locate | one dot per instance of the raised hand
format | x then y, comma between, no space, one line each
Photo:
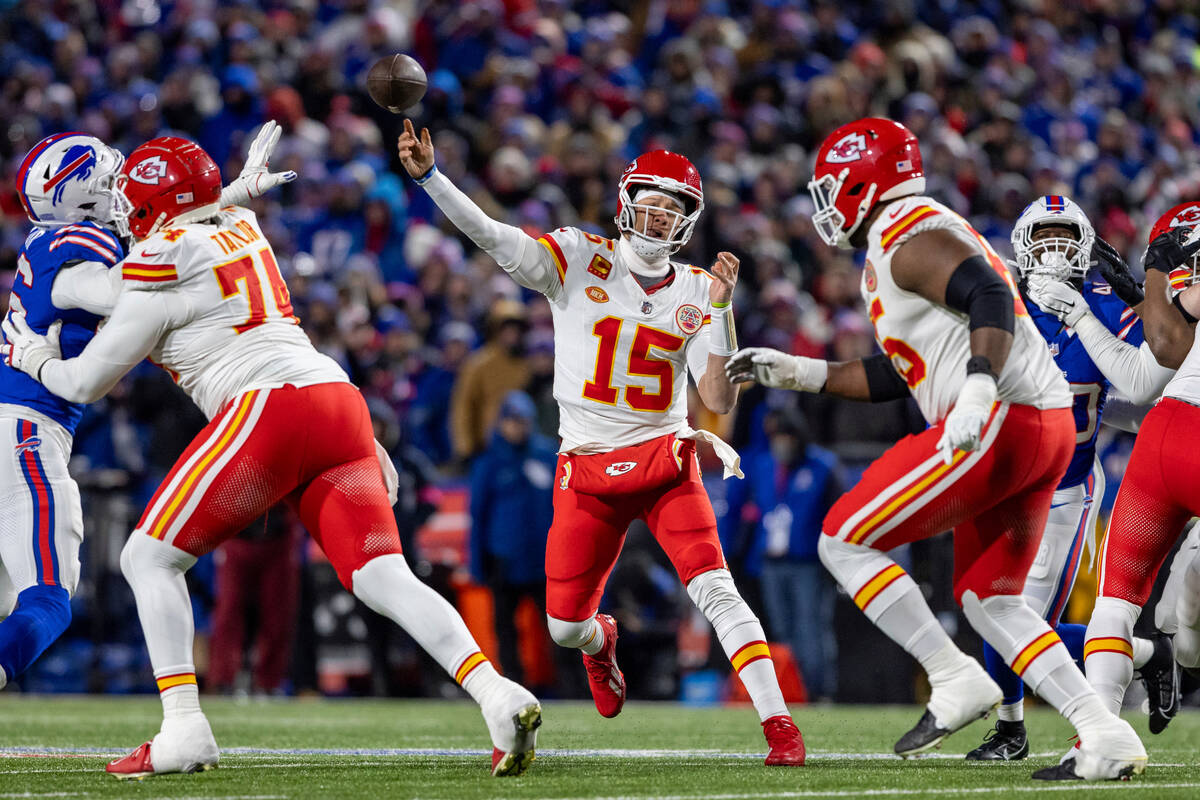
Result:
725,270
1117,273
1168,250
416,154
255,179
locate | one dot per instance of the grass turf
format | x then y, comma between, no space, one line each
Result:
56,747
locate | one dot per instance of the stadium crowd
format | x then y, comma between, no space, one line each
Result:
535,108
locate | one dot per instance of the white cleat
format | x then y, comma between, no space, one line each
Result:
513,716
1111,752
184,744
956,701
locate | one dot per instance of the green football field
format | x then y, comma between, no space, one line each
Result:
437,750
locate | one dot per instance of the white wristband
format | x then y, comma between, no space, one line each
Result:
723,335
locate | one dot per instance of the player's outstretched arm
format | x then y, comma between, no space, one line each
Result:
255,179
1167,331
136,324
515,251
872,379
1134,371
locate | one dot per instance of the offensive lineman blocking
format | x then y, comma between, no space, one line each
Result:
1001,438
203,295
628,326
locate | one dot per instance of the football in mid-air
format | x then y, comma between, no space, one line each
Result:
396,82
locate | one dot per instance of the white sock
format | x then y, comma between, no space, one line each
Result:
1012,712
742,638
585,635
155,572
1143,649
388,587
888,596
1108,649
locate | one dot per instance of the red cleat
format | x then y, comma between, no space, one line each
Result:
604,676
785,742
135,765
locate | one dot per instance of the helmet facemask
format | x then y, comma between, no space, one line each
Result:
1057,257
828,221
674,223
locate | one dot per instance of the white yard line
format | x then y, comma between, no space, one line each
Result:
1061,787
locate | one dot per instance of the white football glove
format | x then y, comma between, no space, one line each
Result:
777,370
255,180
26,349
391,478
963,426
1058,298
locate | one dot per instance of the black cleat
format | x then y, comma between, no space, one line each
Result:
925,735
1160,676
1064,771
1005,742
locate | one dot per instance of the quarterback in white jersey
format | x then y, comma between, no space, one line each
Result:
629,324
956,336
202,295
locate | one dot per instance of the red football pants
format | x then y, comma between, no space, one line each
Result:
588,531
311,446
995,498
1157,497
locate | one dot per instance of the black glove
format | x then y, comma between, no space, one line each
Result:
1168,252
1116,272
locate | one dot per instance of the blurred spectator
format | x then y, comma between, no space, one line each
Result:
487,377
511,487
788,489
257,588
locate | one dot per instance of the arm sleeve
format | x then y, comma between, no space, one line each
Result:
517,253
883,382
137,323
1132,370
89,285
979,292
1123,414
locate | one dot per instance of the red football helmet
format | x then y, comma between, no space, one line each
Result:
172,177
668,173
1184,215
858,166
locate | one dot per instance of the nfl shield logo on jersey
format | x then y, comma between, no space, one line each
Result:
647,307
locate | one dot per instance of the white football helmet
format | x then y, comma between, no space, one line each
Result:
70,177
1058,257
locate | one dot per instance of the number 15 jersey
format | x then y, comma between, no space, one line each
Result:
621,352
232,328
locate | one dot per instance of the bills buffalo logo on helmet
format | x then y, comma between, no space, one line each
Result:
846,149
620,467
150,171
689,318
76,165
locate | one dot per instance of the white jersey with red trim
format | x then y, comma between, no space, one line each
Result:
622,353
1185,384
234,330
929,344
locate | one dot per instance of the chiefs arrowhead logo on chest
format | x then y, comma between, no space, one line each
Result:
846,149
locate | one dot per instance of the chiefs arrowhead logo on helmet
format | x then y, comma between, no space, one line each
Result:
849,148
1184,215
1188,215
150,171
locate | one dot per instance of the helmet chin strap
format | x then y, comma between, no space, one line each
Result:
644,256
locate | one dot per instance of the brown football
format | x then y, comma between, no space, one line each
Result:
396,82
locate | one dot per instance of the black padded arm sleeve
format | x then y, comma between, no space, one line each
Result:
883,382
979,292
